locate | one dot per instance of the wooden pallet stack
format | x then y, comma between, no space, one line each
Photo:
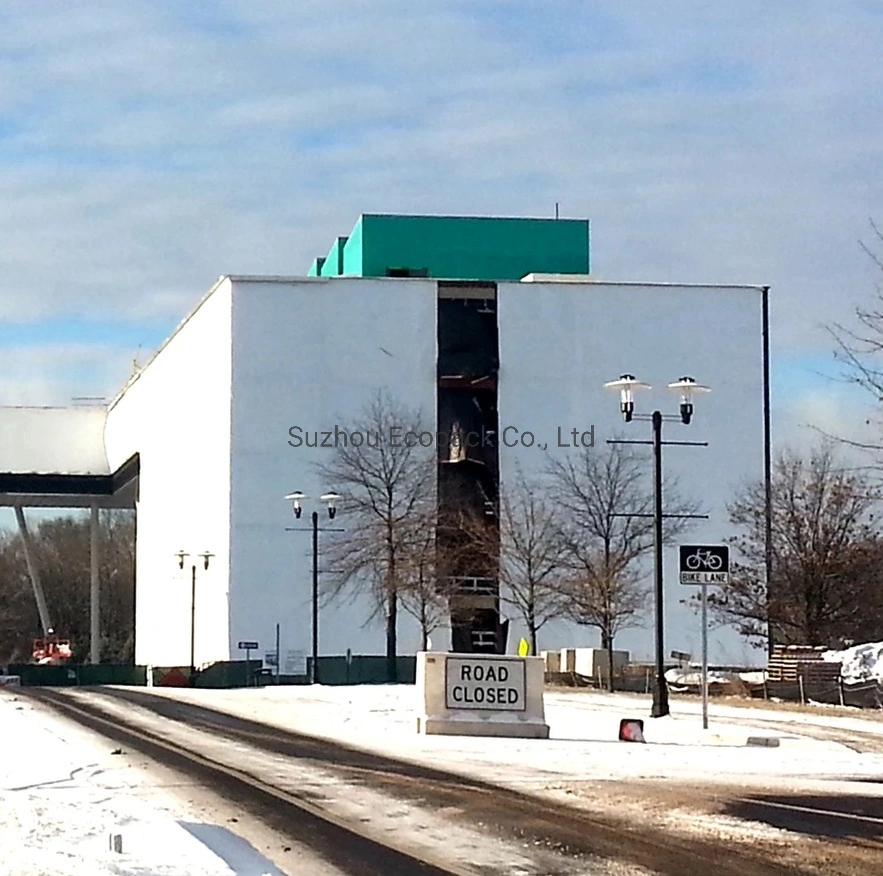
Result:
792,662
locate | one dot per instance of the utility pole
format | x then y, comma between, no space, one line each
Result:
660,699
314,668
192,623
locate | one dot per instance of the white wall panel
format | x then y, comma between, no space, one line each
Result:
560,342
312,353
176,415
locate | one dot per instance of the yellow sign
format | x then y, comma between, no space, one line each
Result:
523,648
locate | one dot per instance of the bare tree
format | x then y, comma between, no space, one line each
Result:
531,553
386,483
117,540
859,349
62,555
424,591
826,552
607,510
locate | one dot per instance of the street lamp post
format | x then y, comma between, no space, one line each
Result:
660,700
686,386
330,500
205,556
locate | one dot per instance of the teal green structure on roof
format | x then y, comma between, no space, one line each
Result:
457,248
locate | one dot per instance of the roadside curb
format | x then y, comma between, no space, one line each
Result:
766,740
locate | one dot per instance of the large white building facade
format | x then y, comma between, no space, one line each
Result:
210,420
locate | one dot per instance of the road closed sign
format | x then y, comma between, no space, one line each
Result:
495,684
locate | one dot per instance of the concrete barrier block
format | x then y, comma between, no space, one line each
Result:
553,660
480,695
764,741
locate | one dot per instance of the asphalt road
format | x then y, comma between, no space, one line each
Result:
342,846
833,816
534,822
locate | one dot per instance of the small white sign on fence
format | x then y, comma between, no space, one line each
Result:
295,663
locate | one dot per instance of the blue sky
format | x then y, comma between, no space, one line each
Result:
146,149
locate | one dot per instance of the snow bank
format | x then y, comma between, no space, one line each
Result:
859,663
692,677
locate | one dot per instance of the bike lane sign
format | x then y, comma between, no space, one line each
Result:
704,563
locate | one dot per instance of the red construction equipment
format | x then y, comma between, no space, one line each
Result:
51,650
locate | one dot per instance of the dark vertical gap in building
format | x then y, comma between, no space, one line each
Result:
468,465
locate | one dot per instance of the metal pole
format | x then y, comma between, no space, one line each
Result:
704,656
314,673
94,589
767,466
660,694
278,658
192,622
33,571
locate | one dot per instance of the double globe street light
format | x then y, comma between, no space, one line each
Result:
205,556
330,500
627,384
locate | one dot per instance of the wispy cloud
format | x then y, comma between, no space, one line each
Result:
147,148
55,374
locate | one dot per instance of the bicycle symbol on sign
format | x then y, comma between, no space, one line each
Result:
704,559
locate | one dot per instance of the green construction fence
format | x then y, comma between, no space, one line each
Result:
364,669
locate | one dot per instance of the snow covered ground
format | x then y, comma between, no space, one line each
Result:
583,744
663,784
161,838
63,794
